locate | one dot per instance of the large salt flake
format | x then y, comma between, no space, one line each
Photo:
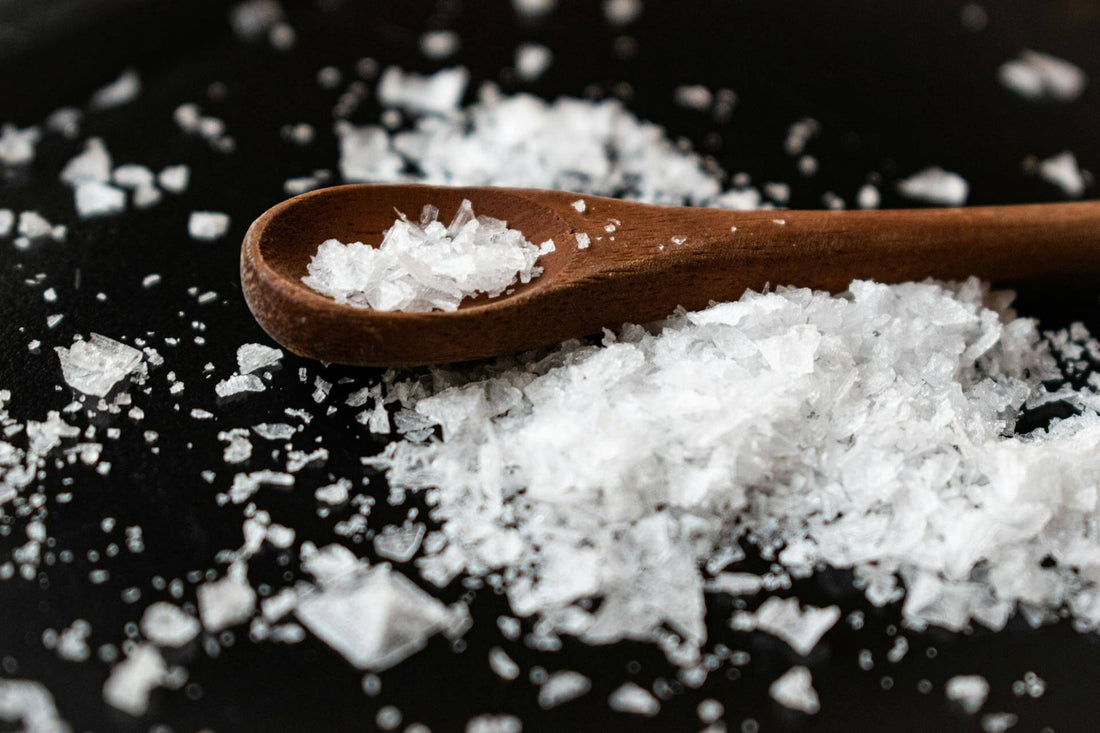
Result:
95,366
374,620
133,680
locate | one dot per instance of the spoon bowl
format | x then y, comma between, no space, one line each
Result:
643,262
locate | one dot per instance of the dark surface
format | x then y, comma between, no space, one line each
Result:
896,86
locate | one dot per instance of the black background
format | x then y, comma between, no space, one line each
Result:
897,86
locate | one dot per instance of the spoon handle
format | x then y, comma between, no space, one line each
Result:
664,257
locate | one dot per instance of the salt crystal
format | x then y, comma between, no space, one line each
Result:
93,165
174,178
150,280
399,543
426,266
239,383
253,357
439,93
502,665
622,12
868,197
998,722
532,61
533,9
167,625
935,186
32,225
17,146
800,628
580,206
132,681
1062,170
374,620
207,225
695,97
794,690
30,704
274,431
583,240
98,199
561,687
226,602
95,366
333,494
120,91
438,45
7,222
1035,76
630,698
970,691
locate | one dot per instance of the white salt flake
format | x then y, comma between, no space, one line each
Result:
122,90
238,383
1040,76
167,625
439,93
1062,171
95,366
375,619
801,628
226,602
794,690
970,691
17,146
532,61
630,698
98,199
561,687
30,704
253,357
132,681
438,45
174,178
207,225
935,186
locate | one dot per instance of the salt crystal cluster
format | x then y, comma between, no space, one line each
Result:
870,431
427,266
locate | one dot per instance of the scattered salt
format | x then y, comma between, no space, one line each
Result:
122,90
1036,76
439,93
226,602
167,625
532,61
561,687
95,366
630,698
253,357
970,691
1062,170
133,680
935,186
207,225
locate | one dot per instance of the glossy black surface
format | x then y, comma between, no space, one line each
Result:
897,86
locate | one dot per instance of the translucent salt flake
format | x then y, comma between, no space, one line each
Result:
426,266
253,357
399,543
800,628
561,687
935,186
583,240
207,225
735,584
794,690
274,431
374,620
239,383
98,199
95,366
226,602
502,665
630,698
438,93
1062,171
167,625
120,91
969,691
1036,76
33,225
133,680
532,61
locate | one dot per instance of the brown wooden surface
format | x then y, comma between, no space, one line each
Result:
641,274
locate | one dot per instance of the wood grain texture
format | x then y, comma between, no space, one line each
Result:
636,273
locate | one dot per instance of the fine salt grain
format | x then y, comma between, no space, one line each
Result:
794,690
561,687
532,61
427,266
253,357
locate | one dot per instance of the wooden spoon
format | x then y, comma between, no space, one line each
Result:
643,262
